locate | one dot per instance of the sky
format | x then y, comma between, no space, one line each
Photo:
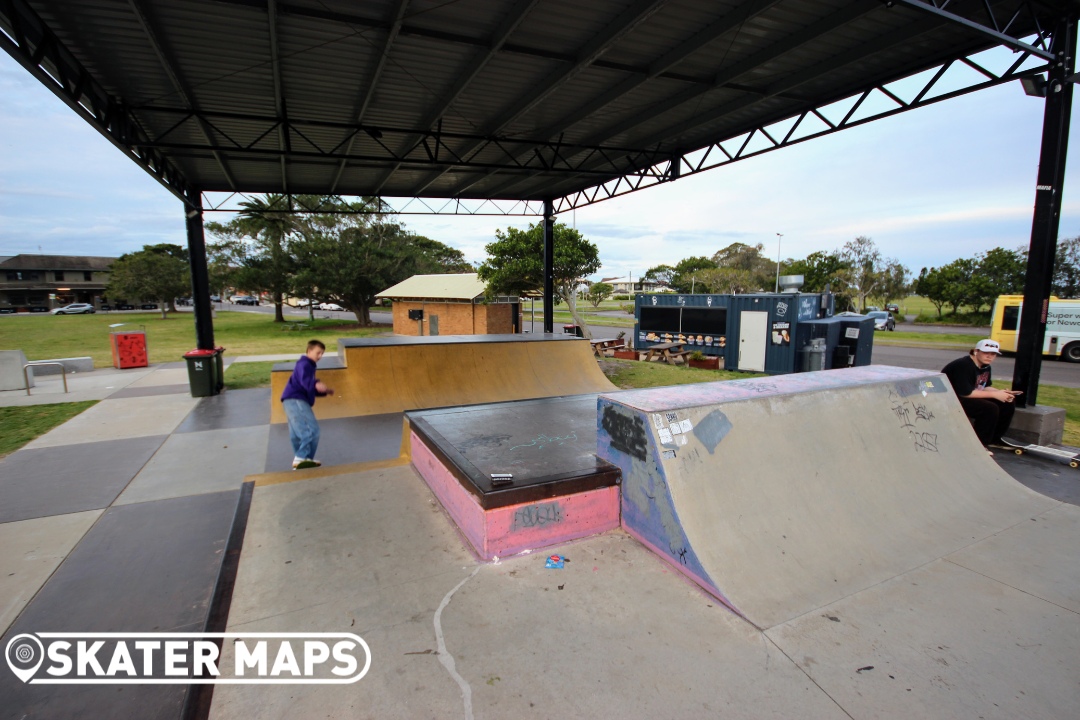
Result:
928,186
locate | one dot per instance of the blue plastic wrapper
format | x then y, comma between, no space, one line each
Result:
555,562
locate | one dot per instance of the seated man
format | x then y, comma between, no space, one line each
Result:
989,409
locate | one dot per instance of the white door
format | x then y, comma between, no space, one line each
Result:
753,334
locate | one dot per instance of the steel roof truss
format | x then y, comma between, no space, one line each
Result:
993,30
650,176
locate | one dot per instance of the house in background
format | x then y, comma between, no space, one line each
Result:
44,282
451,304
623,286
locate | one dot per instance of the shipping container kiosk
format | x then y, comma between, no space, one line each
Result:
767,332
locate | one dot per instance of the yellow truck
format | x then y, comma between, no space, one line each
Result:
1062,326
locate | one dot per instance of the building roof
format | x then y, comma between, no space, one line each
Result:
453,286
56,262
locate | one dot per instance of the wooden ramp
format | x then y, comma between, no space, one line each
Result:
372,376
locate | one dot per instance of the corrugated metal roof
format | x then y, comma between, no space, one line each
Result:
451,286
460,99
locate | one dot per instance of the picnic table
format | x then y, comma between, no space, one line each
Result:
671,353
602,346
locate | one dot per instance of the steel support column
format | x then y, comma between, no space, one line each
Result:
549,266
200,278
1044,227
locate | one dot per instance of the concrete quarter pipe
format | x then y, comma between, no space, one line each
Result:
780,495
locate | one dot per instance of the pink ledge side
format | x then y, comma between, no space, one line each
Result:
525,526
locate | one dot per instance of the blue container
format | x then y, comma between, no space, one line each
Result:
713,325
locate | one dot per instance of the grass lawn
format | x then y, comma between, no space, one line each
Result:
242,375
629,374
241,333
20,425
943,341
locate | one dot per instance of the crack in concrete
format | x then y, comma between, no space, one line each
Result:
445,657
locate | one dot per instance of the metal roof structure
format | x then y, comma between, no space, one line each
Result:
528,107
480,101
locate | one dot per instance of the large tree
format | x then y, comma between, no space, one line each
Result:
515,265
1066,282
349,257
260,237
683,277
149,274
946,285
727,280
820,269
748,258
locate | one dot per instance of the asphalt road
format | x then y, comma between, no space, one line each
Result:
1054,372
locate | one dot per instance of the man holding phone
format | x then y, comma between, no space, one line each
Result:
989,409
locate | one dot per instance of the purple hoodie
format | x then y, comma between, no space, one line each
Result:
302,382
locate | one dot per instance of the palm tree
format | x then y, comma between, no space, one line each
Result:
269,222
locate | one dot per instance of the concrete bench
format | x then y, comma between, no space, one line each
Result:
75,364
11,370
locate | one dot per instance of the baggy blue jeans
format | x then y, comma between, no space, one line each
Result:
303,428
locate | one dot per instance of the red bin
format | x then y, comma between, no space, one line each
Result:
129,349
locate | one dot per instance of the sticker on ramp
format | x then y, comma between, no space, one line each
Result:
713,428
665,436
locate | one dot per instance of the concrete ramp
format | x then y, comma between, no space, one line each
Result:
780,495
372,376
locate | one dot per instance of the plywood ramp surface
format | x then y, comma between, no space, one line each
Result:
781,495
389,378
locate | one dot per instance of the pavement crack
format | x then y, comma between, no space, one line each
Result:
444,655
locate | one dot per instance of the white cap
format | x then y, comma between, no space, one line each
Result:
988,346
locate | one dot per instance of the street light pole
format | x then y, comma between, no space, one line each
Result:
780,237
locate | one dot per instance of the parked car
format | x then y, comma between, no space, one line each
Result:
148,306
330,306
183,301
215,298
125,306
245,300
106,307
882,320
75,309
893,308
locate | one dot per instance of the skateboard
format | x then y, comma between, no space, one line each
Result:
1065,457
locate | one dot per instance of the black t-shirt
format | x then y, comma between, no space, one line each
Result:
966,376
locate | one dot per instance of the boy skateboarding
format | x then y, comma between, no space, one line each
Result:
298,400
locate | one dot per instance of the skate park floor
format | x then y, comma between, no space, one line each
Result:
129,516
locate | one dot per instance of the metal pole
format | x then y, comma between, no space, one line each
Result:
1044,227
549,266
780,238
200,278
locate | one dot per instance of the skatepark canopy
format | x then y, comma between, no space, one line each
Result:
525,107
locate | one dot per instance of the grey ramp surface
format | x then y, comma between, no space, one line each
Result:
32,550
70,478
141,568
230,409
944,642
150,390
624,637
811,493
199,462
342,441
